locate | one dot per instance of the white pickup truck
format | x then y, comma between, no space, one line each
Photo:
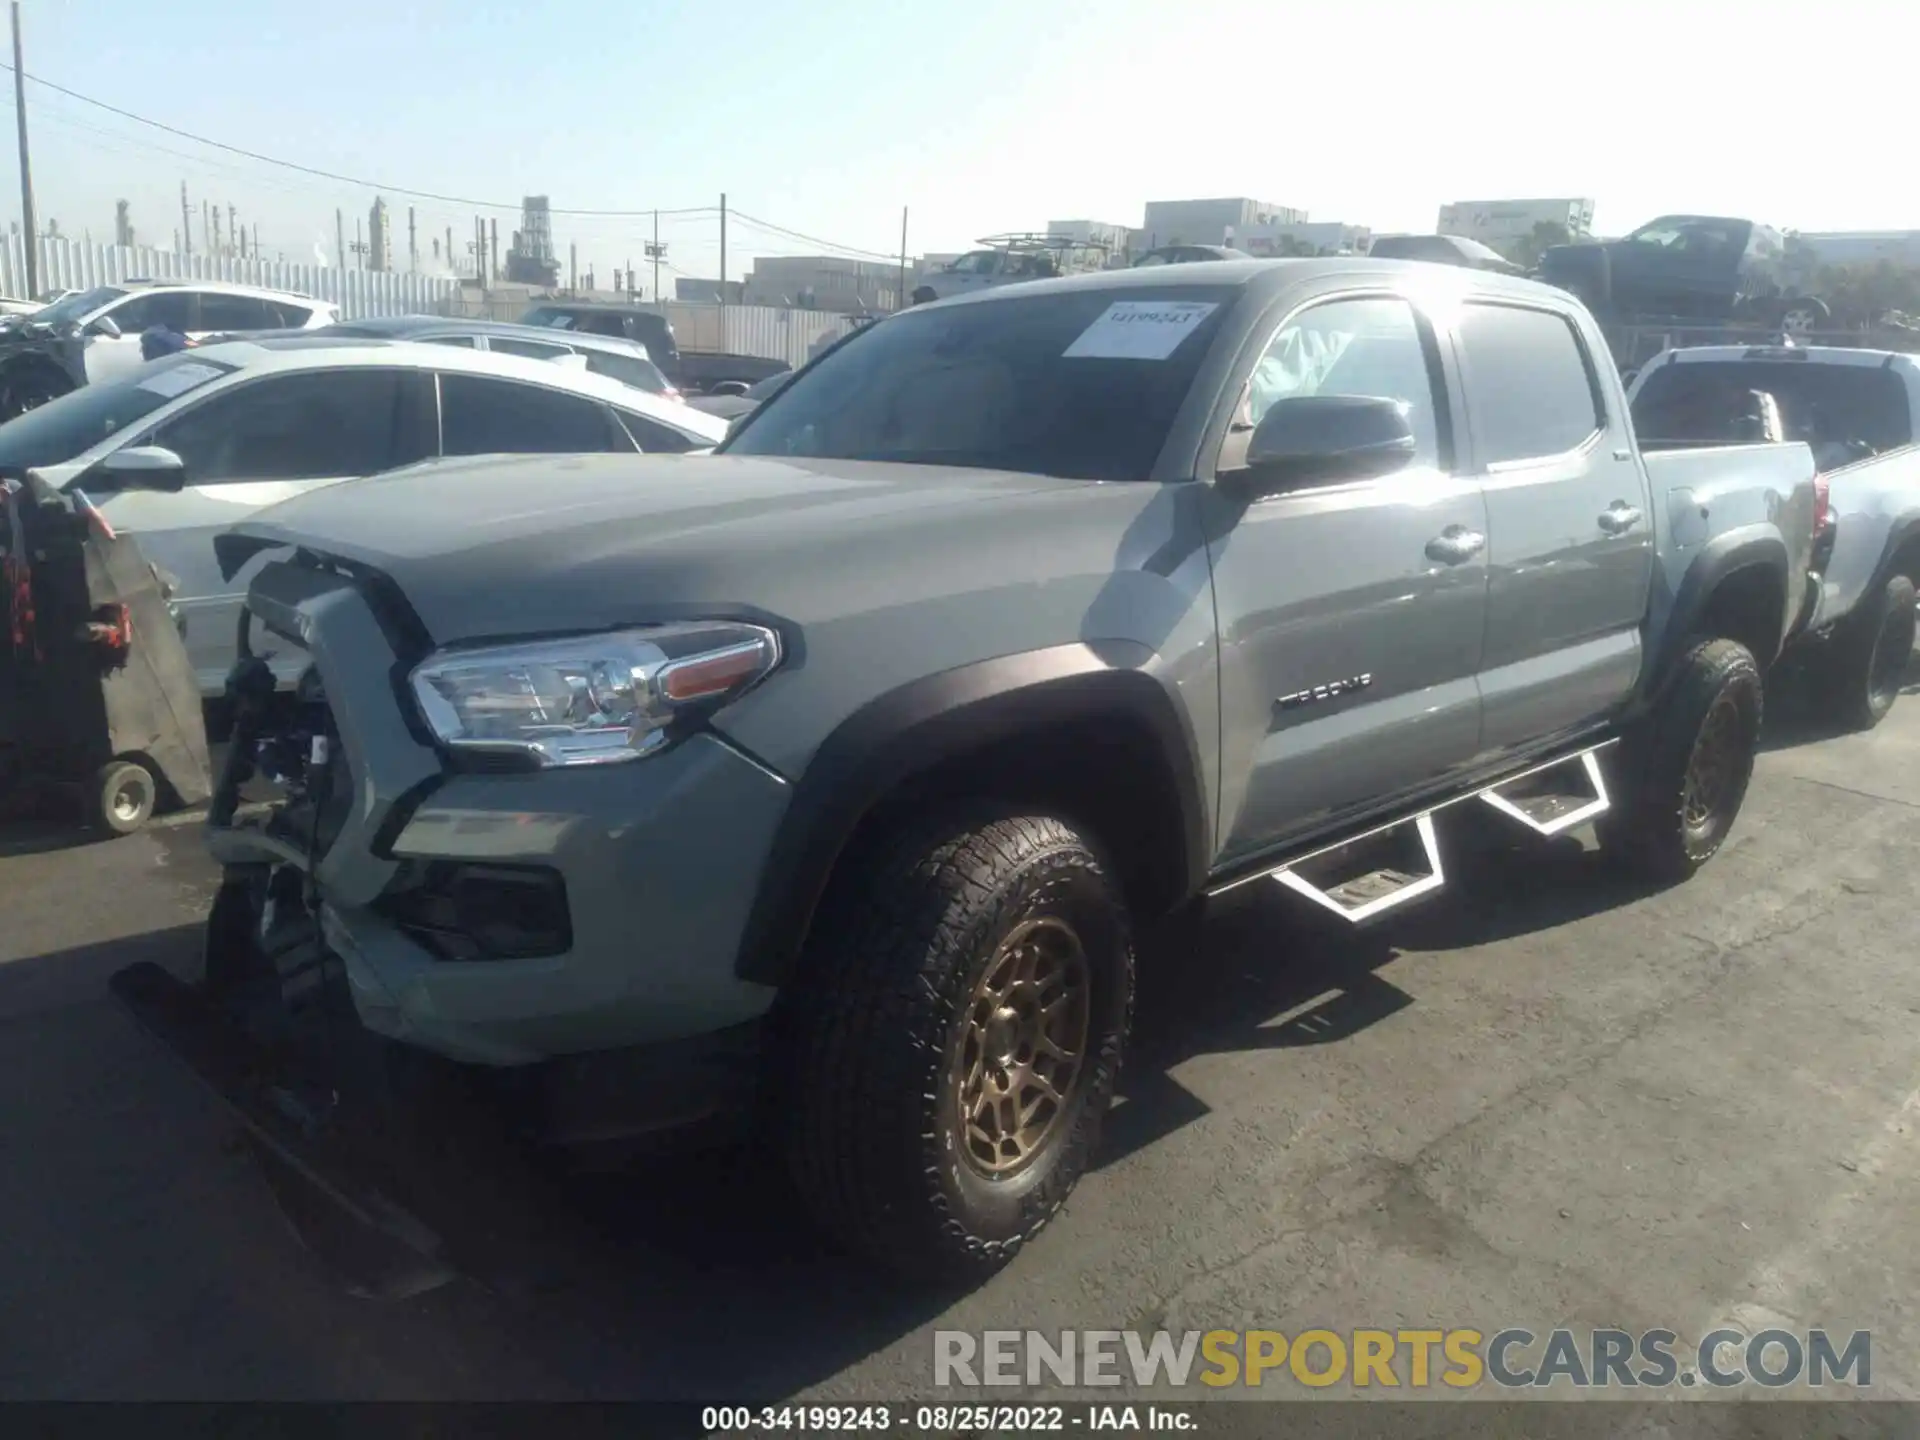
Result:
1859,412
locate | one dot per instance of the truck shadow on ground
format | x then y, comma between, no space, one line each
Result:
661,1280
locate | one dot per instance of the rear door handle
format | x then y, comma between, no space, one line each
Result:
1455,545
1618,518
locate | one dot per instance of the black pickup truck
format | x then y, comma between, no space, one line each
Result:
1697,267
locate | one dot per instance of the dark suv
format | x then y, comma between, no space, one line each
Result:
628,322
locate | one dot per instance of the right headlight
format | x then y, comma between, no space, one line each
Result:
589,699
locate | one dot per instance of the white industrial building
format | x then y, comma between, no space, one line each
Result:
1210,222
1492,222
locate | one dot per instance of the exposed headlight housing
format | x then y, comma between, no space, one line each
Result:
589,699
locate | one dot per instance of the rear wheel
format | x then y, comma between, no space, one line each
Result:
1868,663
956,1037
1682,777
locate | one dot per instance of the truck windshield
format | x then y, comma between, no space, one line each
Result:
1843,412
1083,385
67,428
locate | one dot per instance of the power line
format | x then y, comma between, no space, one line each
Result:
333,176
783,231
329,174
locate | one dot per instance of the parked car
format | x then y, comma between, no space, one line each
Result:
1857,410
1005,630
1189,255
1443,250
1010,260
625,322
624,360
186,445
1696,267
95,335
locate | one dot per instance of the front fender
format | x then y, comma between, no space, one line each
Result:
927,722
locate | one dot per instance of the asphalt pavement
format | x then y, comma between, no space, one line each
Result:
1546,1098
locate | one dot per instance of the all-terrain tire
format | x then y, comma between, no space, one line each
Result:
885,1038
1867,665
1680,778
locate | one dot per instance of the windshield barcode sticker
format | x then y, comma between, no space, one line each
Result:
179,379
1139,330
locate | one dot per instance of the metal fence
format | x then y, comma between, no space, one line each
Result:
72,265
775,334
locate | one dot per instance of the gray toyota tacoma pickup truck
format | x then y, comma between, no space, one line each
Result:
827,781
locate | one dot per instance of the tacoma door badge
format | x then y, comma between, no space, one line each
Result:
1332,690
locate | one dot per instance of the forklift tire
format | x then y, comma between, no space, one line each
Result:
1867,665
122,797
1683,775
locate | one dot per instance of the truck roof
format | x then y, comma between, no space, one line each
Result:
1264,276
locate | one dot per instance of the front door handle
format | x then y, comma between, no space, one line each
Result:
1618,518
1455,544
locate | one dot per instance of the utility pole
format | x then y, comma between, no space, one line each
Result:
359,245
493,249
413,245
573,266
256,239
900,296
450,264
656,252
234,241
186,225
723,248
206,228
213,248
26,170
339,239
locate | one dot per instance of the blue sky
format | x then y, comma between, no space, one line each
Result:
979,115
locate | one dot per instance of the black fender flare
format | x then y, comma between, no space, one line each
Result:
910,730
1721,558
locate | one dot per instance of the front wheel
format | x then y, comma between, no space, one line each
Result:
1682,776
957,1031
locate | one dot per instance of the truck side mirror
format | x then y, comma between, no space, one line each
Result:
1325,440
142,467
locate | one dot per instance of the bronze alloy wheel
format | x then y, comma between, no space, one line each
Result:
1713,768
1022,1046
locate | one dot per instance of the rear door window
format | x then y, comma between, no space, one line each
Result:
480,415
1532,391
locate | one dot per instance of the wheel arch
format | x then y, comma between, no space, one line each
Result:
1736,587
1048,725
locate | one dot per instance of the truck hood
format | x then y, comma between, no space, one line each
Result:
514,545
